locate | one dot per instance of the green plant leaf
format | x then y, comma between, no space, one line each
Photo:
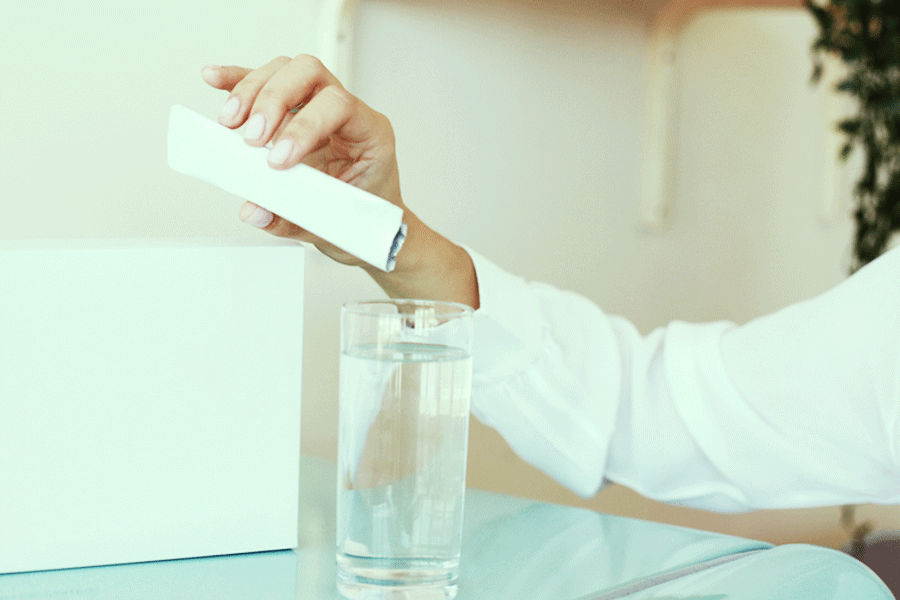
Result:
865,34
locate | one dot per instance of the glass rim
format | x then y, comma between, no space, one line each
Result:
443,308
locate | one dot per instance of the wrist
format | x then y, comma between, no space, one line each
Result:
429,267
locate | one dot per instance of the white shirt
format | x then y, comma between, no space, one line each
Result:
798,408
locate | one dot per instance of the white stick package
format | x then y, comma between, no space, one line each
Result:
352,219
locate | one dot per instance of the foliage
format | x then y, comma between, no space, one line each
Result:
865,34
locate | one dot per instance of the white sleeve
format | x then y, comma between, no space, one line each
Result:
798,408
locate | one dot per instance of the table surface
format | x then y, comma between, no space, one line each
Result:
512,548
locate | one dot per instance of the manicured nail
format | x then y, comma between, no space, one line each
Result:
211,73
231,109
281,151
257,216
255,127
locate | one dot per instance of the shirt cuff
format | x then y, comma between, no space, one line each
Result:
507,323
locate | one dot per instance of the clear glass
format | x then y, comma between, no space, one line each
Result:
405,387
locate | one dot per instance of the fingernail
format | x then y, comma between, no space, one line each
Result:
210,73
231,109
281,151
255,127
257,216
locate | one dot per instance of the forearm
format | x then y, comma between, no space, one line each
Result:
429,267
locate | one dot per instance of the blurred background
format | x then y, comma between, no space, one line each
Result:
520,128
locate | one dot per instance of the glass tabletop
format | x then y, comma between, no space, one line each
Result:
512,548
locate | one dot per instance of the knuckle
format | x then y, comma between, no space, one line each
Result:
242,87
302,123
303,128
339,97
269,98
248,86
255,82
310,62
384,125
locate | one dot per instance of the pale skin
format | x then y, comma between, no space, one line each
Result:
338,134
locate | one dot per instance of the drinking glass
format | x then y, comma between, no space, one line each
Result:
405,387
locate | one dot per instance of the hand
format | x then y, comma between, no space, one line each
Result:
308,116
333,131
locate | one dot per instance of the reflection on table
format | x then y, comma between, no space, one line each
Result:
513,548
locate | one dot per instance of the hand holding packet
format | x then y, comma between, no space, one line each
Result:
352,219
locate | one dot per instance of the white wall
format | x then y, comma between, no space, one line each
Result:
518,124
84,111
519,134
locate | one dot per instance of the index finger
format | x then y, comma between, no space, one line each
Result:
224,78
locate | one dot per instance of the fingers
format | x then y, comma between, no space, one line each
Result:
275,225
251,214
263,99
257,216
224,78
243,93
328,111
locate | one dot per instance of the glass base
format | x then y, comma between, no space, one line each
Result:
364,578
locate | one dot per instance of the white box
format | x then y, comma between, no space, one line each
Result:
149,400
